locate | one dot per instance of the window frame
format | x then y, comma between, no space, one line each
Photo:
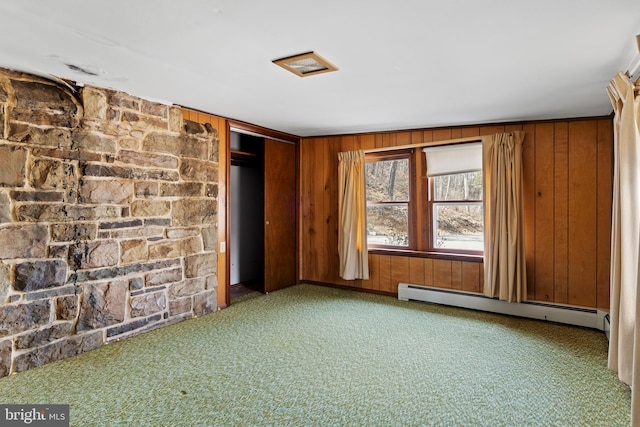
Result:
431,218
409,155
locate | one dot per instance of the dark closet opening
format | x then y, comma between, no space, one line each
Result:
246,248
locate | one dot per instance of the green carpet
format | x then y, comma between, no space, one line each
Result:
314,356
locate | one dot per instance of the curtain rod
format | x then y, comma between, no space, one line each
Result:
427,144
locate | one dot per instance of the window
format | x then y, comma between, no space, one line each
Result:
388,186
455,198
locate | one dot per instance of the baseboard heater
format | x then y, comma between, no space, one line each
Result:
571,315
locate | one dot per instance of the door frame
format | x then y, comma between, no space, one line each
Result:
250,129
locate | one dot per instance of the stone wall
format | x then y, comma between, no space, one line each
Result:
107,218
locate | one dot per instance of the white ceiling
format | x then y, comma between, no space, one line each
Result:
403,64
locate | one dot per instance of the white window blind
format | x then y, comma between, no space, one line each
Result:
454,158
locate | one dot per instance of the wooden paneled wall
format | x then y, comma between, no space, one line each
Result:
220,124
567,183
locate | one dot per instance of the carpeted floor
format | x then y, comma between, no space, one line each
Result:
314,356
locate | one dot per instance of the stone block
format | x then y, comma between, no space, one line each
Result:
131,233
136,283
85,140
162,222
5,208
142,208
103,304
205,303
180,306
113,272
210,238
129,173
94,102
212,190
49,137
143,121
37,212
148,159
198,170
66,154
114,225
52,293
194,128
187,287
16,318
147,304
5,282
5,357
133,251
66,307
156,278
132,326
44,104
58,350
38,275
212,281
154,109
51,174
73,232
200,265
187,212
37,196
129,144
94,254
120,99
179,145
183,189
181,233
146,189
105,191
175,119
175,248
42,336
23,241
12,166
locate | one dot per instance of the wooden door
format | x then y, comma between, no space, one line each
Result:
279,215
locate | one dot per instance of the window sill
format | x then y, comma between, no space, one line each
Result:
431,255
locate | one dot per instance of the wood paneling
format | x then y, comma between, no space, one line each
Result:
543,218
561,213
471,276
583,155
442,273
605,177
567,183
416,271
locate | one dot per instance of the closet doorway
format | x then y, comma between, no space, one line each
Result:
262,213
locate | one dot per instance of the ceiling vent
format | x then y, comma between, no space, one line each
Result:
306,64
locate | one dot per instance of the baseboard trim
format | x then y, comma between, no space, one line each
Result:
558,313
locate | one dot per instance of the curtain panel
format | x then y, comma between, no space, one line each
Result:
624,344
504,255
352,216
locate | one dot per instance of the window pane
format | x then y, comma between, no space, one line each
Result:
388,181
460,186
459,226
388,225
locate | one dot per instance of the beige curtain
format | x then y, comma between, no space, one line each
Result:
504,260
352,216
624,344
